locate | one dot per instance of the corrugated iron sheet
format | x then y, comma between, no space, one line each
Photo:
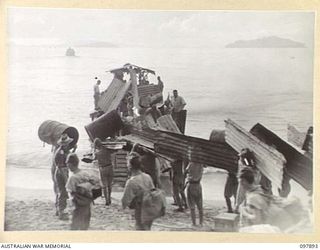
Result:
137,139
166,123
134,88
178,146
149,145
308,144
146,90
150,121
295,136
111,98
269,161
145,134
298,166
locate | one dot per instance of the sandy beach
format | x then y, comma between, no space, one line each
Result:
32,209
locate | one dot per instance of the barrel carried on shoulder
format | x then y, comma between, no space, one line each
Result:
50,132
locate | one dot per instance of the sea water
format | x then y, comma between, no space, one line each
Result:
271,86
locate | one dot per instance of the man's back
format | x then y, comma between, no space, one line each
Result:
103,156
194,172
135,187
177,172
78,178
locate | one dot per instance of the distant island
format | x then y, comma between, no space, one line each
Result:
266,42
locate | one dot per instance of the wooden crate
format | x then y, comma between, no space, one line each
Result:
226,222
120,168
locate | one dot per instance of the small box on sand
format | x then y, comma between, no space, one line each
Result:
226,222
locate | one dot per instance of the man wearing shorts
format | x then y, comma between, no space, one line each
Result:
230,189
178,185
194,191
103,156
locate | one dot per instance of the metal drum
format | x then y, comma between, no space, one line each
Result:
50,132
105,126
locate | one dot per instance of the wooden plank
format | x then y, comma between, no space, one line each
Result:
124,175
268,160
122,167
119,180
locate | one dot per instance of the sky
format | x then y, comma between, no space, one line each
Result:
156,28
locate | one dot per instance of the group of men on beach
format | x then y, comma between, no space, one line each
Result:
141,182
80,183
254,204
65,160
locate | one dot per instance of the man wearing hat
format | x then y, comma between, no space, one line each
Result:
138,183
61,175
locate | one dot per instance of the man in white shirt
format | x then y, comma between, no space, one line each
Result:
96,95
178,104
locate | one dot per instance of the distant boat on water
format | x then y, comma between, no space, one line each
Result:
70,52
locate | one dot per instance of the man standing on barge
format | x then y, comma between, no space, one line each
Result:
96,94
178,104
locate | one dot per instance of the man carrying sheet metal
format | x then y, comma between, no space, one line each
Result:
194,173
230,189
178,185
104,158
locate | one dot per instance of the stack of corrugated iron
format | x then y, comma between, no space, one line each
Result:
274,156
